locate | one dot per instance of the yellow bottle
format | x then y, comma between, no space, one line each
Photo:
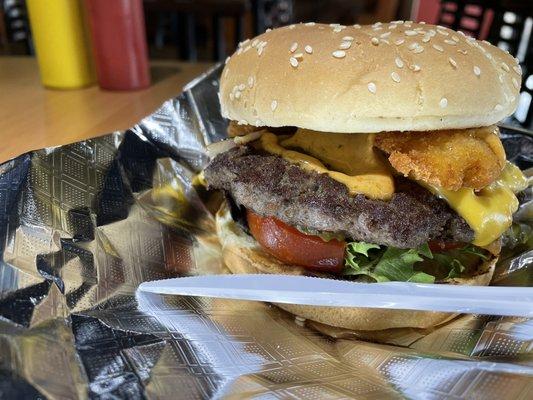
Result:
62,43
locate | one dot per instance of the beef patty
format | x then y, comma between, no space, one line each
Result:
271,186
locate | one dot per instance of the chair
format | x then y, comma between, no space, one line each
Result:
15,35
506,23
183,16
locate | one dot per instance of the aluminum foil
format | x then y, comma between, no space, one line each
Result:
82,225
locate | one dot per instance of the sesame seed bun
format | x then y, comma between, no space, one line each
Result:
243,255
382,77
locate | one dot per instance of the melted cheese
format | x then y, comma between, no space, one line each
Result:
488,212
352,160
355,163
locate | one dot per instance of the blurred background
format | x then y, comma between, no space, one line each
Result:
209,30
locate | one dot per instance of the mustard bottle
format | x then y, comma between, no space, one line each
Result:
62,43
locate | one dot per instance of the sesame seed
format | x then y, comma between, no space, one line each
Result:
310,24
477,71
357,26
348,38
377,28
462,51
293,61
437,47
399,62
500,78
242,122
452,62
337,29
432,32
371,87
450,42
384,35
242,86
231,96
227,59
291,26
415,67
250,81
255,42
339,54
411,33
485,41
515,83
443,103
444,33
488,55
418,50
375,41
498,107
413,46
426,39
455,38
377,24
393,26
273,105
505,67
345,45
298,56
239,50
333,25
268,30
517,69
308,49
237,94
395,77
293,48
399,42
260,50
422,23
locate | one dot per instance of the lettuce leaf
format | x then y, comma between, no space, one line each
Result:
384,264
374,263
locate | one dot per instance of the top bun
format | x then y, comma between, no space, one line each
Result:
398,76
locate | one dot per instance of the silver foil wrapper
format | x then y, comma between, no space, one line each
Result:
82,225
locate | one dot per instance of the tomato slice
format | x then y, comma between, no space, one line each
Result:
291,246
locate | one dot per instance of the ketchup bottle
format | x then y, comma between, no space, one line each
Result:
119,43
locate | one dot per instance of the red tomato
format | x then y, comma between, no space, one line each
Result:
439,247
291,246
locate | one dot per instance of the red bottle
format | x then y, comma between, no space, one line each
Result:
119,43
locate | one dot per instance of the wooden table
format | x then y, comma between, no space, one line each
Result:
33,117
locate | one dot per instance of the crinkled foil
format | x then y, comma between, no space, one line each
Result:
82,225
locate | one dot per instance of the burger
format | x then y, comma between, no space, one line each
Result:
366,153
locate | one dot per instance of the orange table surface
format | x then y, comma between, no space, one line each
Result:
33,117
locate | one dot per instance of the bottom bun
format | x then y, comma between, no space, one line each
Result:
243,255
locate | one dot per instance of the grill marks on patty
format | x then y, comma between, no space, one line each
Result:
271,186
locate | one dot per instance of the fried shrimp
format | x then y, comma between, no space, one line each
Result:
450,159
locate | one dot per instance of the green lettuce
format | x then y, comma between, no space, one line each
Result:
372,262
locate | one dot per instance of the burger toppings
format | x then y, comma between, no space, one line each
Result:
450,159
271,186
361,260
422,265
294,247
